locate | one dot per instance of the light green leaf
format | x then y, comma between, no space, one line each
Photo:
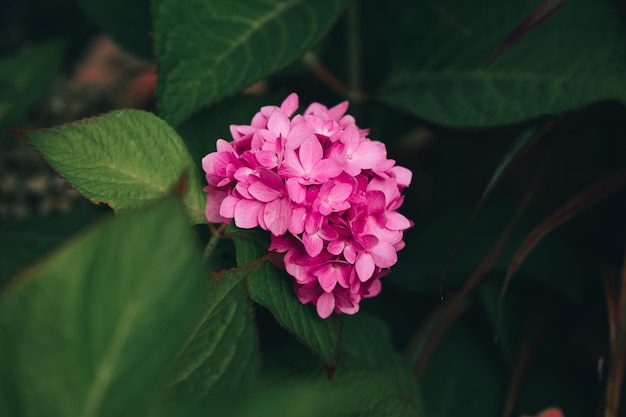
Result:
273,289
571,60
26,241
208,50
24,77
93,330
126,159
222,353
128,22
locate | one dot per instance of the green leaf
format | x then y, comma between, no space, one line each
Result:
461,378
128,22
126,158
208,50
222,352
24,78
293,397
367,339
421,263
22,243
94,329
361,388
273,289
573,59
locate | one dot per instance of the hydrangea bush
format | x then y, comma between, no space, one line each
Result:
313,208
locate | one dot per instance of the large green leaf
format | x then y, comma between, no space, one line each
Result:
222,352
571,60
26,241
93,330
128,22
24,78
127,159
273,289
210,49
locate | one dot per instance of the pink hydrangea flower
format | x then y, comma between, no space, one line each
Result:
327,193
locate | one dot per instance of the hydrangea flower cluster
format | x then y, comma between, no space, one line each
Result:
326,192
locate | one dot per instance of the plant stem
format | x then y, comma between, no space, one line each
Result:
216,235
354,53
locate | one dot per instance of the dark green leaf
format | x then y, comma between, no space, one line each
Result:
128,22
24,77
367,339
127,159
570,61
365,389
461,378
93,330
222,352
273,289
208,50
22,243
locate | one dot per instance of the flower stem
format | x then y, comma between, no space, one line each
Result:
354,54
215,238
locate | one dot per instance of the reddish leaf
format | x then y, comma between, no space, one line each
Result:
582,201
546,9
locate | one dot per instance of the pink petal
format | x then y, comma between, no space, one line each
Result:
369,154
349,254
263,192
328,281
336,112
351,138
396,221
364,266
296,226
277,216
297,191
403,175
340,192
336,247
246,213
290,104
213,203
375,201
291,166
267,158
279,123
325,305
310,153
384,255
326,169
313,244
298,134
227,208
